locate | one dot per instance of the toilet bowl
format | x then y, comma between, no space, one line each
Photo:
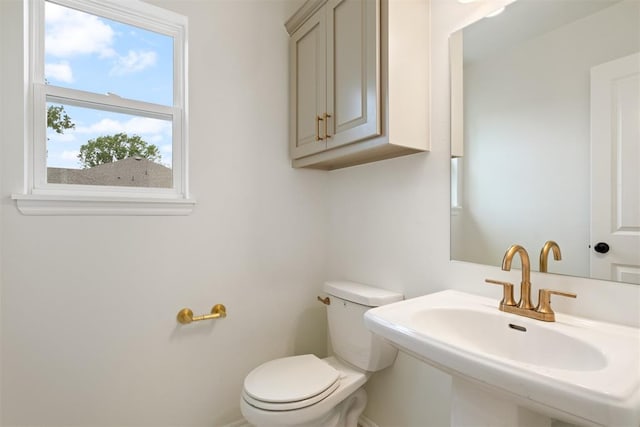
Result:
307,391
274,409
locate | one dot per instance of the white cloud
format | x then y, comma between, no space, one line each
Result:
103,126
167,148
67,136
69,155
134,62
69,33
156,138
60,71
135,125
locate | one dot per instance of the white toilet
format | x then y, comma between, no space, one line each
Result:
306,391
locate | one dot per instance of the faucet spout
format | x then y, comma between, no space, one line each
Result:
525,284
550,245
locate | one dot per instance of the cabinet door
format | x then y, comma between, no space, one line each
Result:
308,87
353,64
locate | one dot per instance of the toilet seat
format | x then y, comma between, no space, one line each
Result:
290,383
289,406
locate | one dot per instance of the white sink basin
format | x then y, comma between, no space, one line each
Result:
487,333
589,370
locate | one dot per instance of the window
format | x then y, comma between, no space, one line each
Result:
107,95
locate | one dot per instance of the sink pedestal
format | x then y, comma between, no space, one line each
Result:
474,405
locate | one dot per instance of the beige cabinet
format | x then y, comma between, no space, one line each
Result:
308,86
348,70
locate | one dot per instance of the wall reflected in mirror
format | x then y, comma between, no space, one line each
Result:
532,89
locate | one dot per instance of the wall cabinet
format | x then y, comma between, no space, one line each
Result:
359,81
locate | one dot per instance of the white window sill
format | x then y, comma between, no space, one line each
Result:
36,204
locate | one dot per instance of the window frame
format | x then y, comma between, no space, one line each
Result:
93,198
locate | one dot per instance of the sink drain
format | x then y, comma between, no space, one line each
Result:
517,327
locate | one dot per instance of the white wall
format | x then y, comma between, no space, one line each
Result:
389,226
88,303
3,100
89,335
527,140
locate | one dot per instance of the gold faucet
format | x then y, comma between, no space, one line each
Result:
524,307
525,284
544,254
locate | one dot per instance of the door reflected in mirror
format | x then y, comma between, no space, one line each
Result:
546,136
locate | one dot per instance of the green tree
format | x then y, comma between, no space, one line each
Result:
58,119
110,148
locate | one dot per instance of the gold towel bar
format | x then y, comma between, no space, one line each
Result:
185,316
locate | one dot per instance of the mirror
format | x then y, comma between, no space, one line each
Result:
532,89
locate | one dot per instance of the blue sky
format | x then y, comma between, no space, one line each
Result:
98,55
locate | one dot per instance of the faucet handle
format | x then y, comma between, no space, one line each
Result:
544,301
507,292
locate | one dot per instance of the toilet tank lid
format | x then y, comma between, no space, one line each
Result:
361,294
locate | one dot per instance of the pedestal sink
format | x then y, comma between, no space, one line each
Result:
575,369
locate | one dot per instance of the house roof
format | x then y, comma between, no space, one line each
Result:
129,172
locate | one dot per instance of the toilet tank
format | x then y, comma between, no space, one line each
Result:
350,339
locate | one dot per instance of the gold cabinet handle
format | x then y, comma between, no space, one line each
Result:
318,120
325,300
326,125
185,316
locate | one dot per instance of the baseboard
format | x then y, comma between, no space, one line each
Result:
362,422
366,422
240,423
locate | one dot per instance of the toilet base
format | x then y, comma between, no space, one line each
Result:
346,414
352,408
